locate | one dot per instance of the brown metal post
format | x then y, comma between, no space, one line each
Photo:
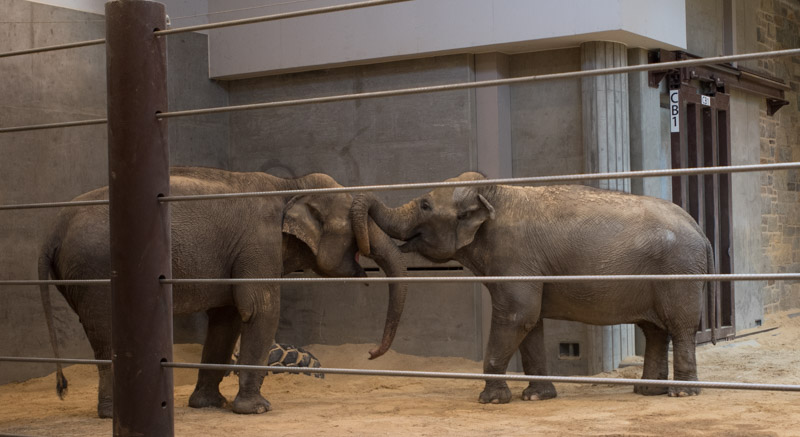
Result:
140,226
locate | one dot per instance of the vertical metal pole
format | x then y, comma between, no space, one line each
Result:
140,226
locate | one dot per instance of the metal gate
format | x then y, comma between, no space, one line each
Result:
700,137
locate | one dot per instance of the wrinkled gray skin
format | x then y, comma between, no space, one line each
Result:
244,238
561,230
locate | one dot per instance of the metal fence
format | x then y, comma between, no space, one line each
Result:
137,145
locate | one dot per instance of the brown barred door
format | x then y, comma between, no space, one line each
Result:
700,136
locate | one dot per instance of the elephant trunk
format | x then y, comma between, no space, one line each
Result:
394,221
388,257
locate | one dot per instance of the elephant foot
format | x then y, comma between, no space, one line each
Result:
105,409
495,394
207,399
681,392
250,404
649,390
539,391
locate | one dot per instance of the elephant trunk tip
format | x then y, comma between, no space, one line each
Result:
377,352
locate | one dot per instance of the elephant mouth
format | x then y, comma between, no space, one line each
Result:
409,245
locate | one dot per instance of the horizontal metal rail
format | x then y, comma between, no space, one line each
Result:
441,375
506,181
53,125
487,83
430,185
71,45
497,279
24,282
53,360
493,377
427,279
53,204
282,16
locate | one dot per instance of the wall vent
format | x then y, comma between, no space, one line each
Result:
569,351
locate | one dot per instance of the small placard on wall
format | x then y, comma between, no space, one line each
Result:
674,112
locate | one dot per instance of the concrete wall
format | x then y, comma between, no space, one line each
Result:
426,137
746,189
43,166
59,164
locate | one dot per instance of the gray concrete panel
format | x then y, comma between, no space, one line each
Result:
49,165
649,149
746,190
198,140
441,320
427,137
59,164
546,117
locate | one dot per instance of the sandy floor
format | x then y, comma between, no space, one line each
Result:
353,405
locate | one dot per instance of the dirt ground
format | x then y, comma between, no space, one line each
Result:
342,405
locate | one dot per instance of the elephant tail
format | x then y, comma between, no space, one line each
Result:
713,289
45,267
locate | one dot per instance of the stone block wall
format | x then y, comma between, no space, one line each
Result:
778,27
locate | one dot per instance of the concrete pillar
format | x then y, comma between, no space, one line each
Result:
649,150
494,159
493,117
606,140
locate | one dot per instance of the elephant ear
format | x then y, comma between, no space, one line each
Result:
473,210
302,219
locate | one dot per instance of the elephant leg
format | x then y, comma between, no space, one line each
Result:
223,328
515,311
656,363
96,321
684,362
258,334
534,362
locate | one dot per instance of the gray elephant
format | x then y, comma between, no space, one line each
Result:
242,238
561,230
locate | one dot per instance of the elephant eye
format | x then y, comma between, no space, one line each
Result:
462,215
425,206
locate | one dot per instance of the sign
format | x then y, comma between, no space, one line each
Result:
674,112
705,100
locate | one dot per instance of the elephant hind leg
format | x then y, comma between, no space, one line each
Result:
534,362
656,362
96,321
223,328
684,363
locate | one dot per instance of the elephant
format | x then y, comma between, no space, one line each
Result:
502,230
233,238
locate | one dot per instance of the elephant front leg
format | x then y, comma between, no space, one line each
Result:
258,334
223,328
534,362
515,309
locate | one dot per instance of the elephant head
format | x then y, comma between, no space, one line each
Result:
322,223
436,225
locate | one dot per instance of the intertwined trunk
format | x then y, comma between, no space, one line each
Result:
397,222
373,241
381,249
